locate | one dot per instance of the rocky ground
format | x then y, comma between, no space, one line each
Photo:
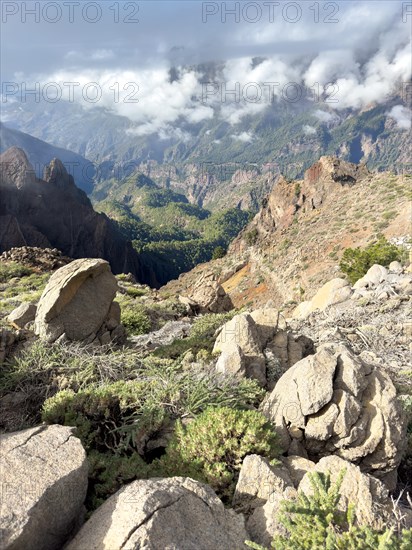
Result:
217,410
332,381
296,241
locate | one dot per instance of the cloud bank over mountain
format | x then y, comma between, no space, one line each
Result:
346,56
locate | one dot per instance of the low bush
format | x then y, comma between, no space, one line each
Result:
119,416
314,523
41,370
115,421
355,262
135,319
108,472
201,336
211,449
218,252
9,270
251,236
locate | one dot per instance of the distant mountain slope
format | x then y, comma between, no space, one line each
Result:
52,212
41,153
295,242
170,234
290,135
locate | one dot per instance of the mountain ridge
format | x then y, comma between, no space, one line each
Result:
54,213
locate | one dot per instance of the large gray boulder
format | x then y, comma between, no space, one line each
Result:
260,490
155,514
208,296
76,301
44,483
334,402
331,293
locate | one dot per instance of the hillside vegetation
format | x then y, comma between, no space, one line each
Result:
170,234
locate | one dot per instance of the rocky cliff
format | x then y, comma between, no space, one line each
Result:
296,240
53,213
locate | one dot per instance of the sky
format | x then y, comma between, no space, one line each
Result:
351,52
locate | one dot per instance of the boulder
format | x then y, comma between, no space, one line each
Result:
258,480
369,496
157,513
297,467
209,296
302,310
232,361
334,402
76,300
44,482
260,490
266,321
331,293
376,274
263,524
242,331
395,267
22,315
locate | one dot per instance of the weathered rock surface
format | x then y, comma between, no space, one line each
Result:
22,315
47,259
382,283
209,296
331,293
162,513
53,212
258,479
242,331
258,345
76,301
44,482
232,361
336,403
297,467
171,331
260,489
268,321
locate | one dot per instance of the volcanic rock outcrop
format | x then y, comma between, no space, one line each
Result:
334,402
53,213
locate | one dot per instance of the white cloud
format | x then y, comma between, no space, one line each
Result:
309,130
402,115
99,55
245,137
365,55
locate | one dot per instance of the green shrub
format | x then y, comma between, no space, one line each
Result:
355,262
115,420
41,370
108,472
218,252
212,447
134,292
99,414
115,416
251,236
135,320
201,336
314,523
9,270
